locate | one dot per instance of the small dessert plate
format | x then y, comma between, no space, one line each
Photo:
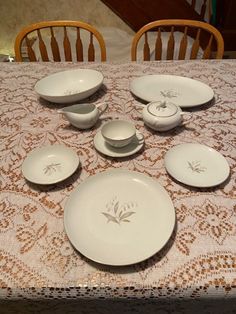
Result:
196,165
130,149
50,164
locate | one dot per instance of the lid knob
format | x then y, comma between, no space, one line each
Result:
162,108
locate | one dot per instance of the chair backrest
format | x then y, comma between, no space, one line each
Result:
41,42
203,36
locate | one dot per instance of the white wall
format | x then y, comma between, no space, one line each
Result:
15,14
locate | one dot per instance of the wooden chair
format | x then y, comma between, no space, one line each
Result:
40,33
204,36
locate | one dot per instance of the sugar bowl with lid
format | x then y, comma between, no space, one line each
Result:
162,115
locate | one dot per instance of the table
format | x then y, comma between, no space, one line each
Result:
39,269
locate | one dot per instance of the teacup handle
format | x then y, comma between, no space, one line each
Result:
140,137
102,110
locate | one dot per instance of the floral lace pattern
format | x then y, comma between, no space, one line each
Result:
34,249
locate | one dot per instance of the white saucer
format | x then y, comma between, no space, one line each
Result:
110,151
50,164
196,165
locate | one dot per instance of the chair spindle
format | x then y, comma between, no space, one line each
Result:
42,47
183,45
207,52
55,47
79,46
30,51
158,46
67,47
146,49
91,50
171,45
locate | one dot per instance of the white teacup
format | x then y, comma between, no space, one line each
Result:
118,133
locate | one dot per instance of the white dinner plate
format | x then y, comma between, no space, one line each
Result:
196,165
183,91
69,86
50,164
119,217
106,149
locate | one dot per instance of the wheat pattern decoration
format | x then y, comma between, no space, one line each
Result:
71,91
118,212
50,169
195,166
169,93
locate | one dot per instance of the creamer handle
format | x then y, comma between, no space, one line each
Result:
102,110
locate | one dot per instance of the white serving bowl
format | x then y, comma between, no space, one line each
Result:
69,86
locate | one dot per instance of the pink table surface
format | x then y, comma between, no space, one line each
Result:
36,257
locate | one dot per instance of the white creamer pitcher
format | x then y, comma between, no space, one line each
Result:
83,116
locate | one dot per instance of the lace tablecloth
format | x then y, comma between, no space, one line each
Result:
196,270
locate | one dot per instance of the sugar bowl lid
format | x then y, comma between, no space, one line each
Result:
162,109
